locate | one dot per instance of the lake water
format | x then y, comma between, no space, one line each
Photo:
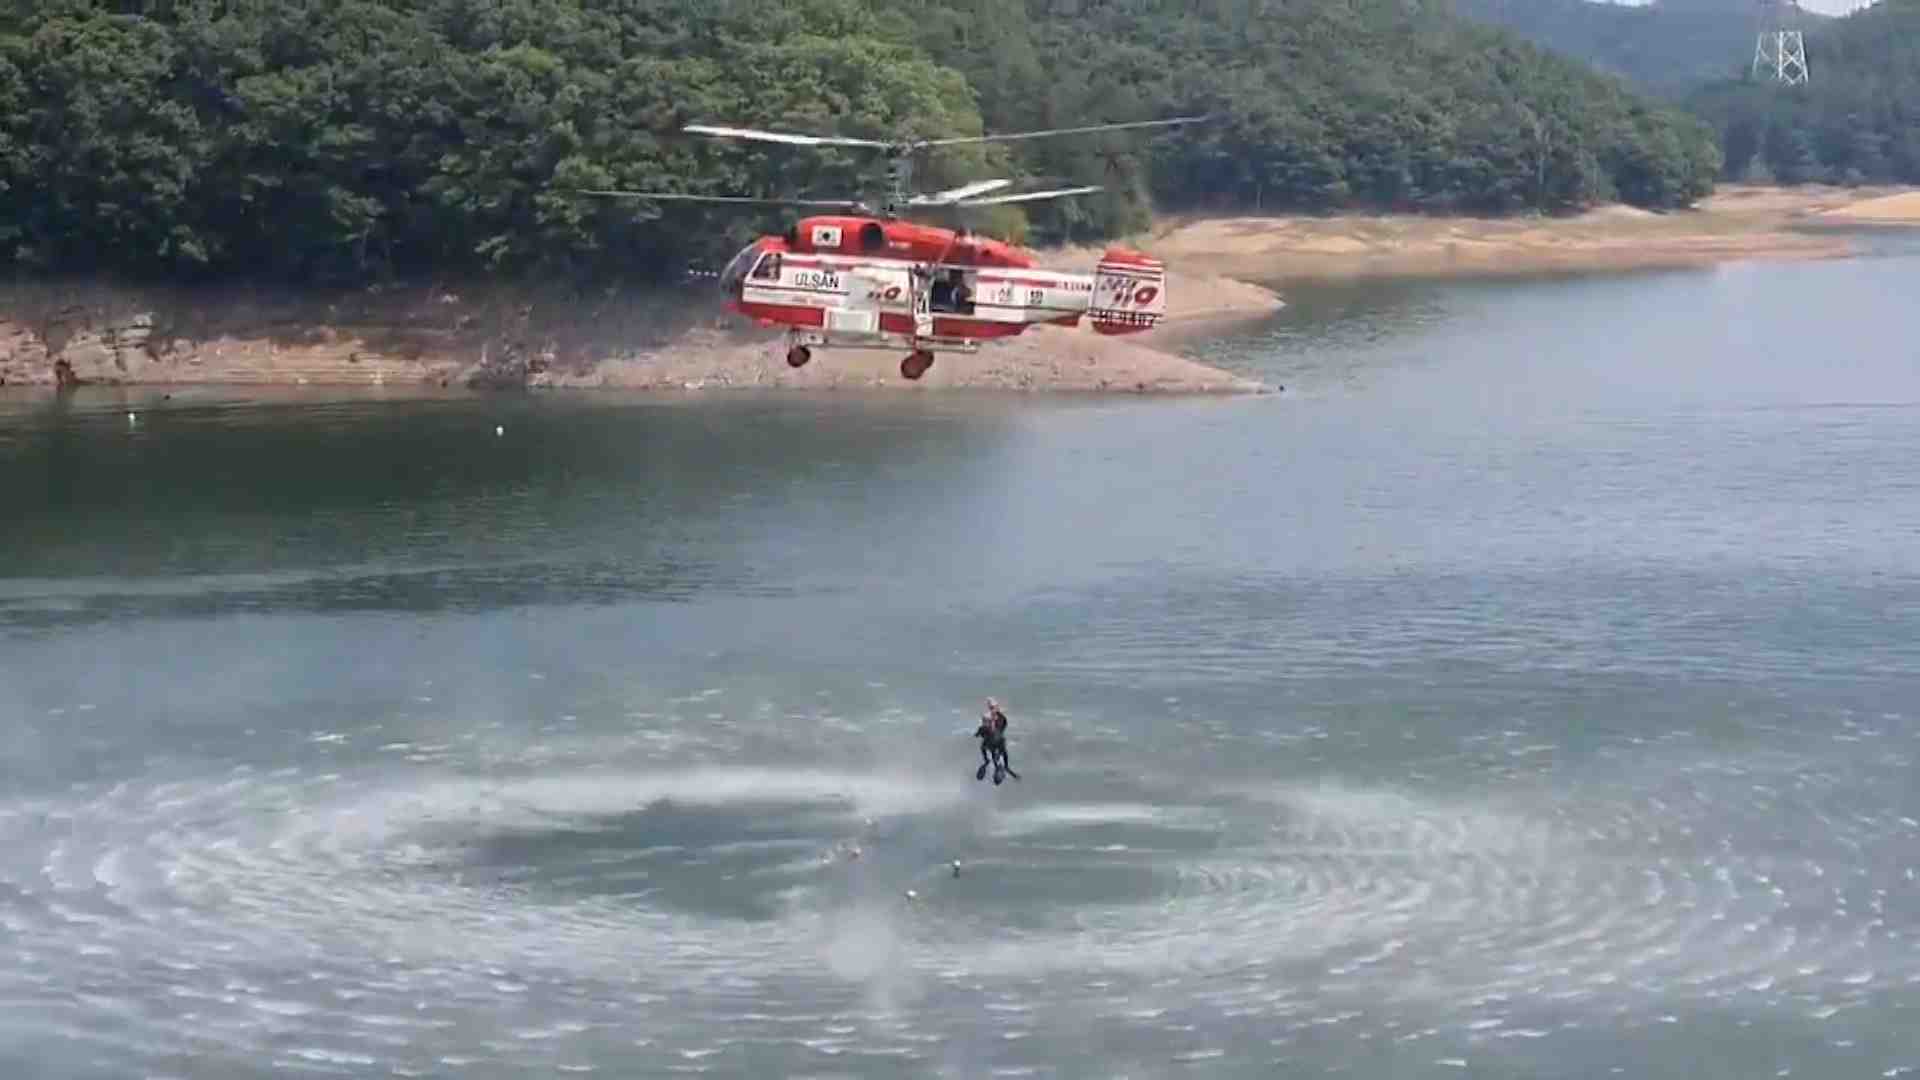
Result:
1531,690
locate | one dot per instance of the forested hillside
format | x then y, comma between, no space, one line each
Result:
1856,120
1667,48
345,140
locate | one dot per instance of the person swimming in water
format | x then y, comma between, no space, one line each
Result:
992,734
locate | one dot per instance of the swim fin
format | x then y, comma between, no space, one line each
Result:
981,772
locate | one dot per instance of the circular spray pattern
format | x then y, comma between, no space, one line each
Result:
328,920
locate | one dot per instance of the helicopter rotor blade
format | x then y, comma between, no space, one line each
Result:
780,136
1030,196
666,196
958,194
1009,136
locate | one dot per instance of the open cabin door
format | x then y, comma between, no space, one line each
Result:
922,304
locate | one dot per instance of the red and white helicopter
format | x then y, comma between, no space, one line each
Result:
864,278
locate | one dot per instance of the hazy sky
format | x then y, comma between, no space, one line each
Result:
1833,7
1824,7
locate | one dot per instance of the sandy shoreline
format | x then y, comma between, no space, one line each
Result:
1737,222
505,337
496,336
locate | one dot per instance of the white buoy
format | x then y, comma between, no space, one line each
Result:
911,895
499,430
129,418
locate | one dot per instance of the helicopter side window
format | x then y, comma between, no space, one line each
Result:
769,268
872,237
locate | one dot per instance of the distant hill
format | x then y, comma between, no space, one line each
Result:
1857,120
1380,104
1669,48
1738,8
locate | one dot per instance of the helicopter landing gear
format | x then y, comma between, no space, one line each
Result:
916,364
798,355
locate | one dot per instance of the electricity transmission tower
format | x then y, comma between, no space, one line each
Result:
1779,52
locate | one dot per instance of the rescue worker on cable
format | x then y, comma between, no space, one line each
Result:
992,734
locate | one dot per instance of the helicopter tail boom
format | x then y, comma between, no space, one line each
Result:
1129,292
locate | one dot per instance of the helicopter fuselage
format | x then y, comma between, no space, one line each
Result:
853,282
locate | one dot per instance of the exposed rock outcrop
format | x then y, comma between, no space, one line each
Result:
507,338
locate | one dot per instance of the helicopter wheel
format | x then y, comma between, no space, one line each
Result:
798,355
916,364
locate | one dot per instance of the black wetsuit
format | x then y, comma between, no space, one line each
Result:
993,745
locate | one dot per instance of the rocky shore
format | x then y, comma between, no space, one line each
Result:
80,333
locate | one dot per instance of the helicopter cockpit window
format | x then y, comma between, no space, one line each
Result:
736,269
769,268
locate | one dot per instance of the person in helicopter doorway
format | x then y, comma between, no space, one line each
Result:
962,300
992,734
949,294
